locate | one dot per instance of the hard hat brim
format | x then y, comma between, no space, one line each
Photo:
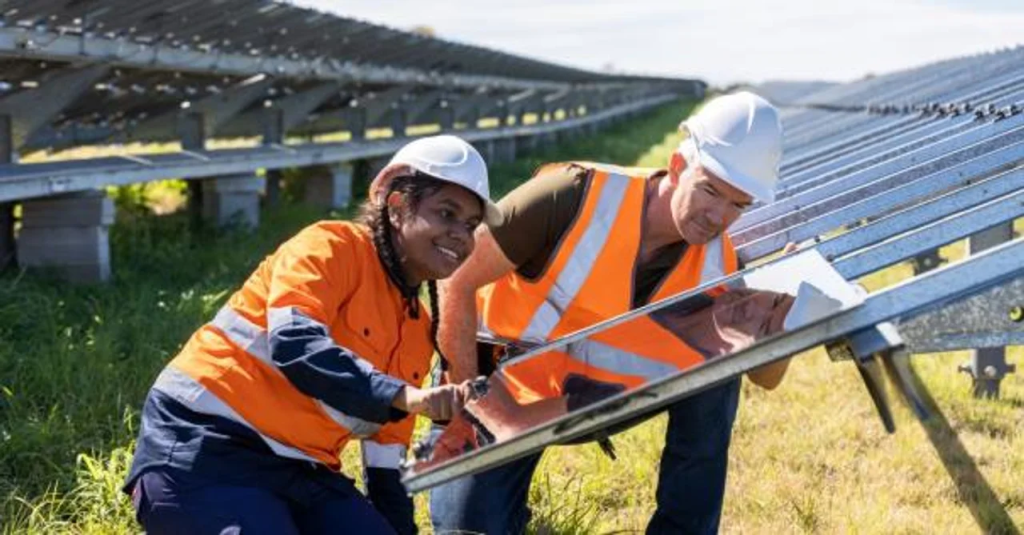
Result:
492,214
747,184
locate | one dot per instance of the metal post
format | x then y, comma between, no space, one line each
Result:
193,137
988,365
357,123
273,133
473,119
446,116
397,121
7,248
6,139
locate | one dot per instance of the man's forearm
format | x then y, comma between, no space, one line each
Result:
457,328
457,332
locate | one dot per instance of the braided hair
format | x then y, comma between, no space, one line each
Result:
377,217
435,319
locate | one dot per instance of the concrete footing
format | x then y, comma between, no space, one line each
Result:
69,235
233,200
330,187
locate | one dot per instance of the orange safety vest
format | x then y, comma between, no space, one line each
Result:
330,274
590,279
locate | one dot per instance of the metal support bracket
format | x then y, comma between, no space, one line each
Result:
872,350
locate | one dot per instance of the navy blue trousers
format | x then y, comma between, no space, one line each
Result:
691,477
169,501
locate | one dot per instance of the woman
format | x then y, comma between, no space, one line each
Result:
325,342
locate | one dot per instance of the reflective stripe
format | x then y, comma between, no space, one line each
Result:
482,330
283,316
253,339
616,360
581,260
544,320
244,333
714,261
195,396
619,361
286,316
377,455
358,427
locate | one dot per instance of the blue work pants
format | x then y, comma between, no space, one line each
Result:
169,501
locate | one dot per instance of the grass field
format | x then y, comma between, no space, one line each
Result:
75,363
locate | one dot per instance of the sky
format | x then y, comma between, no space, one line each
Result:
720,41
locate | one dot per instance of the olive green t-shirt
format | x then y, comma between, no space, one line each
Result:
538,213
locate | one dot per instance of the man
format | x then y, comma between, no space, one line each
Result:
584,242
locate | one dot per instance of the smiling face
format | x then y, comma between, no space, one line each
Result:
704,205
434,234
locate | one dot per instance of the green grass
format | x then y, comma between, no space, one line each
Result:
75,363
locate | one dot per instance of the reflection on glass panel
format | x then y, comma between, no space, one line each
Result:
527,392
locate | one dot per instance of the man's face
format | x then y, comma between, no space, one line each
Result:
704,205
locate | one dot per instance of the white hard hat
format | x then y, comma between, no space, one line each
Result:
448,158
739,138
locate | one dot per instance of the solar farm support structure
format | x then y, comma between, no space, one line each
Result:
875,173
953,122
110,72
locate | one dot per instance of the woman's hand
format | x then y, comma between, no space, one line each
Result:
439,403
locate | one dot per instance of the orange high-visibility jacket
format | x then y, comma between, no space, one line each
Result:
310,352
590,279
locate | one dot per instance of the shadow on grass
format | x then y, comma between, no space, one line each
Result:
972,489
